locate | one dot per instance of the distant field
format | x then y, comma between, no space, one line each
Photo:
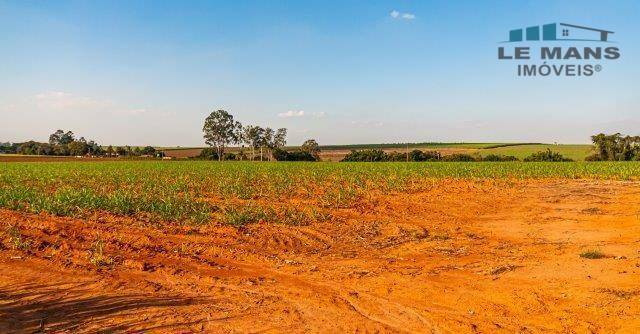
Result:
337,152
425,145
575,152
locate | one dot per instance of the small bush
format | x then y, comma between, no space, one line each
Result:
366,156
592,254
548,156
282,155
460,157
229,156
417,155
208,153
414,156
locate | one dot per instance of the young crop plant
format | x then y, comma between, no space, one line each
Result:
97,256
188,192
17,241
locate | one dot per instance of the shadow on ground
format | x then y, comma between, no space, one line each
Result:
33,308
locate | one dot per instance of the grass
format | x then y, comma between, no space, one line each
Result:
197,192
592,254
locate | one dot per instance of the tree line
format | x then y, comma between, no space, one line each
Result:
65,143
377,155
221,130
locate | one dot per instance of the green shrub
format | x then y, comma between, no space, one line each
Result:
548,156
592,254
498,157
282,155
414,156
372,155
208,153
461,157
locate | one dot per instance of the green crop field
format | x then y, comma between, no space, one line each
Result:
575,152
196,191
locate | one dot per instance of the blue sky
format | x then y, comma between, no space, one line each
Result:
148,72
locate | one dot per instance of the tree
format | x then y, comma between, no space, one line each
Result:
221,130
67,138
93,148
54,138
615,147
78,148
121,151
280,138
148,150
311,146
274,139
266,140
252,135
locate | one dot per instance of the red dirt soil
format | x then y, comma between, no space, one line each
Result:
463,257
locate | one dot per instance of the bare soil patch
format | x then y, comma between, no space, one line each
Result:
463,257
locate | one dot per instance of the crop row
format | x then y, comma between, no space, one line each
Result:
197,191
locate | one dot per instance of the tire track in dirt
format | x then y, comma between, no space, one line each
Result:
463,256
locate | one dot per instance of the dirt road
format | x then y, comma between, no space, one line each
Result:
462,257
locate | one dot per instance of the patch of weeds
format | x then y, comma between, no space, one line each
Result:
443,237
16,239
97,256
289,215
592,254
300,217
624,294
473,236
340,197
592,211
503,269
293,216
240,216
188,249
420,234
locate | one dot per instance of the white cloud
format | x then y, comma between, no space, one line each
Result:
301,113
375,124
136,111
408,16
402,16
291,113
62,101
